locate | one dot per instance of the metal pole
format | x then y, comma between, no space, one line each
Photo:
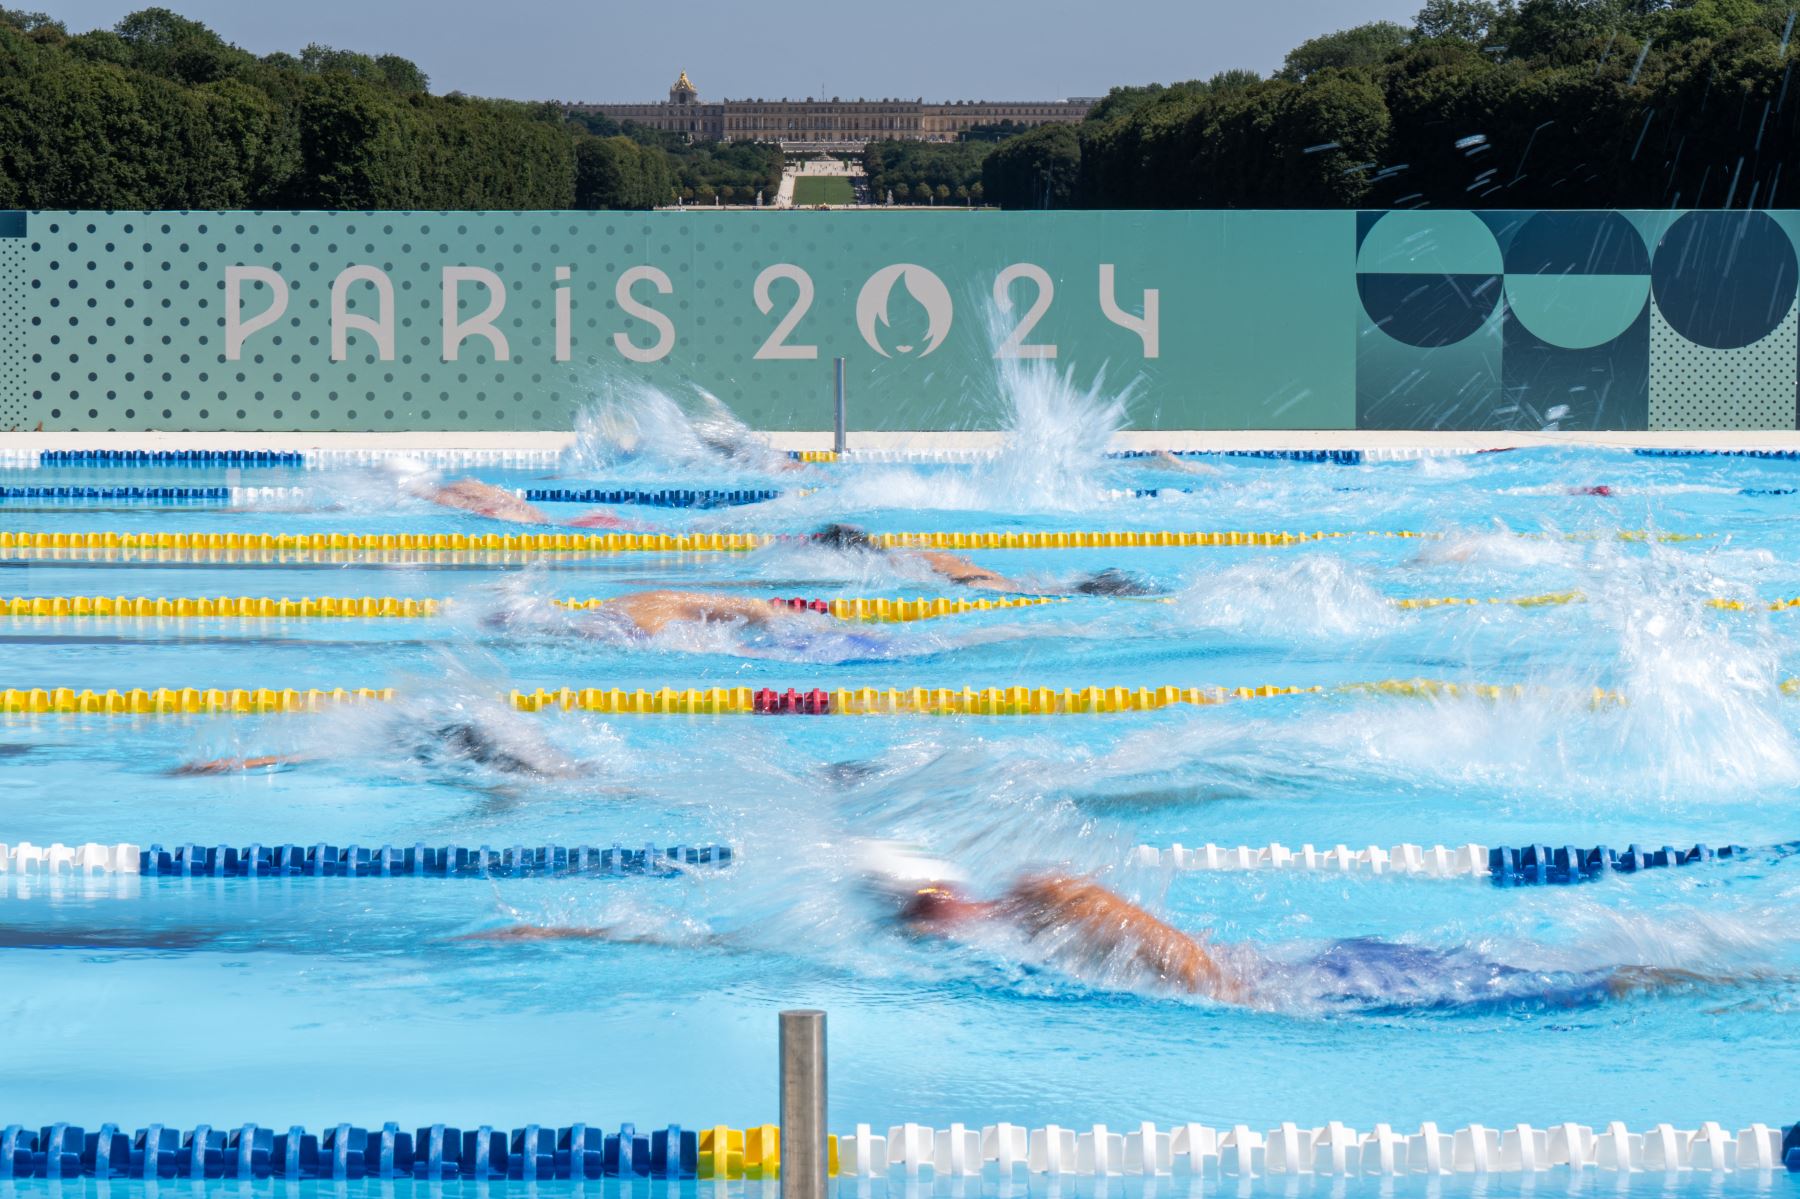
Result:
842,440
803,1143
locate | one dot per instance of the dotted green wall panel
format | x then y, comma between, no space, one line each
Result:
1699,387
1219,320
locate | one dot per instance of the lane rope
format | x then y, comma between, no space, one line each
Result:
354,861
843,607
733,701
225,606
580,1151
1507,866
671,497
140,607
223,547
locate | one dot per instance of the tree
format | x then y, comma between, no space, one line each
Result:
30,22
1038,170
1460,20
174,47
1359,46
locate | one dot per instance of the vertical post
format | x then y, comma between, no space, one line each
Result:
842,441
803,1134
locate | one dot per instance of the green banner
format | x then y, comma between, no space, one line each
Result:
1218,320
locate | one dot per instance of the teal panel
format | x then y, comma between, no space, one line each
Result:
1215,320
1254,315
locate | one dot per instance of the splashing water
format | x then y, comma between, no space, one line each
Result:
1052,454
633,423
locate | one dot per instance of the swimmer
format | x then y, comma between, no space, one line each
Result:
448,744
497,503
483,499
236,765
1164,460
650,612
1084,926
963,572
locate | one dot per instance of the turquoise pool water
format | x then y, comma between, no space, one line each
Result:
318,1000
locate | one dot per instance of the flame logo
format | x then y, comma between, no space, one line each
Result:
923,286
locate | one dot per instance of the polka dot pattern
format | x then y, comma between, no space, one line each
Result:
1697,387
127,324
15,407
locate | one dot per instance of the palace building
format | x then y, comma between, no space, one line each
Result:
833,123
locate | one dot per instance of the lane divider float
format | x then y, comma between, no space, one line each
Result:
732,701
388,606
141,607
580,1151
355,861
223,548
315,458
843,607
670,497
1506,866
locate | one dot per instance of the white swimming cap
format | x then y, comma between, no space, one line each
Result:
896,865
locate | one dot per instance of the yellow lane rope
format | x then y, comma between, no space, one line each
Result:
1522,601
860,608
891,611
987,701
228,606
389,606
726,701
18,544
181,701
1576,597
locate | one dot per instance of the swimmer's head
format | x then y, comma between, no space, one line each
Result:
939,906
1114,582
846,537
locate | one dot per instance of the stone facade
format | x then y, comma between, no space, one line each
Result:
834,121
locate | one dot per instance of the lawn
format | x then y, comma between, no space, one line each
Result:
823,189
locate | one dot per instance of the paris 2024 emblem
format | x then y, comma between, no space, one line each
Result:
873,307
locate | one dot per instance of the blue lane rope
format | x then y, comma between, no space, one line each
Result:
664,498
1533,865
1334,457
75,492
171,457
1779,455
579,1151
354,861
346,1152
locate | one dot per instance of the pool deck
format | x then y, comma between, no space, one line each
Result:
1136,439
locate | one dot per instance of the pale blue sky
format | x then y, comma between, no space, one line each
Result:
941,49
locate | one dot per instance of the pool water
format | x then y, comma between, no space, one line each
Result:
314,1001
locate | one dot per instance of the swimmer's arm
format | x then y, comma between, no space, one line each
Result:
236,765
1109,922
652,611
484,499
960,570
527,933
1168,461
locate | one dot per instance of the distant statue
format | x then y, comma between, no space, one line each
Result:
759,197
890,197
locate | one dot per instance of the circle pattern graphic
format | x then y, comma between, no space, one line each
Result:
1724,279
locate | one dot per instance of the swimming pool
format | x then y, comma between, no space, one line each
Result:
1621,607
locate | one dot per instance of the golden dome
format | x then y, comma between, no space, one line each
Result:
682,84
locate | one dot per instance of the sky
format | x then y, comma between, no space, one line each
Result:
606,50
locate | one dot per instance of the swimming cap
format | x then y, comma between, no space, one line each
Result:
900,868
845,537
1114,582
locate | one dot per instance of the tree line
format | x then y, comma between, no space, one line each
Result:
1495,103
160,112
1478,103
